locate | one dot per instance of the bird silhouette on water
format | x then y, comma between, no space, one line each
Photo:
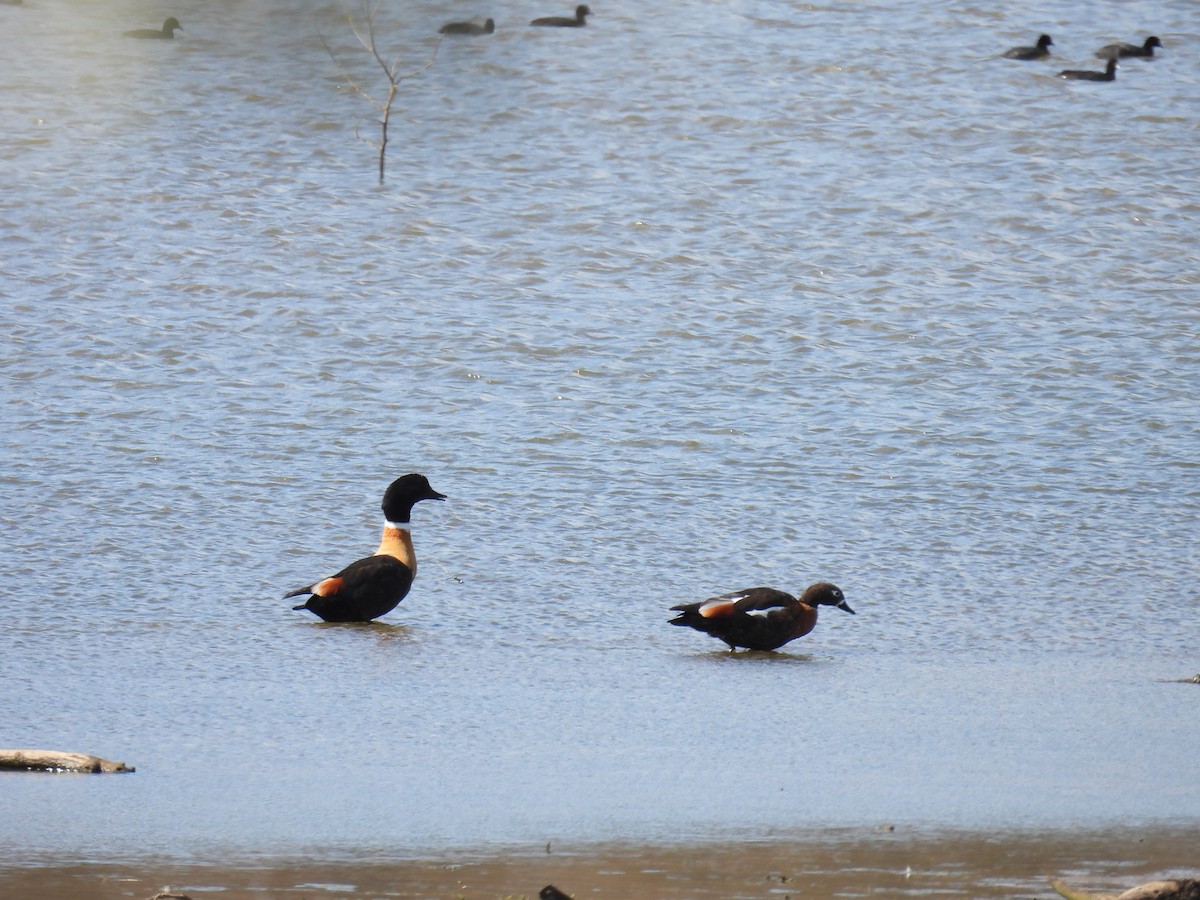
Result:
1109,73
581,14
468,28
166,33
1038,51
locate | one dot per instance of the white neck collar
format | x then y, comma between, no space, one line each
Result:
403,526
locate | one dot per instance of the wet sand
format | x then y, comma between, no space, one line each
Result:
853,863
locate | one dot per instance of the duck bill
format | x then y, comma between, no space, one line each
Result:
846,606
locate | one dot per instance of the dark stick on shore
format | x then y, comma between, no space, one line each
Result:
58,761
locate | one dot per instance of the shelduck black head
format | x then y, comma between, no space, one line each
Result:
403,493
825,594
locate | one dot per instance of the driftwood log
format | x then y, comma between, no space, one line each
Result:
58,761
1184,889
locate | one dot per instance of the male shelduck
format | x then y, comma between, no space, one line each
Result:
371,587
760,618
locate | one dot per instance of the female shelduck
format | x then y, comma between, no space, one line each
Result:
372,587
760,618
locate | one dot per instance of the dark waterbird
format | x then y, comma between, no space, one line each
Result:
166,33
471,28
373,586
760,618
1123,50
1109,73
1042,49
581,14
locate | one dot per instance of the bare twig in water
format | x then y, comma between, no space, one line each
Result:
457,580
364,30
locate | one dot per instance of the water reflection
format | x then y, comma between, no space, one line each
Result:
759,657
384,633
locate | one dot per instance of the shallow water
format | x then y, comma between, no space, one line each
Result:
754,294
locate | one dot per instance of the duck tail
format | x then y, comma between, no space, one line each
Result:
686,616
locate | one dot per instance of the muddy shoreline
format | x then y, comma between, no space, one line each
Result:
879,862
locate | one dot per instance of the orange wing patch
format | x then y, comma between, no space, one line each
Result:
717,609
328,587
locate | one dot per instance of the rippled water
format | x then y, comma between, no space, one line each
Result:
693,299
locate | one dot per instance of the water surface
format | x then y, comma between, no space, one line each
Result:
682,302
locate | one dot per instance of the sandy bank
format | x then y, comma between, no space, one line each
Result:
877,863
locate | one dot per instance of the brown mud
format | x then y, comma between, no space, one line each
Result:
890,863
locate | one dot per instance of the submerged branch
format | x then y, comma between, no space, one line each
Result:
366,38
58,761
